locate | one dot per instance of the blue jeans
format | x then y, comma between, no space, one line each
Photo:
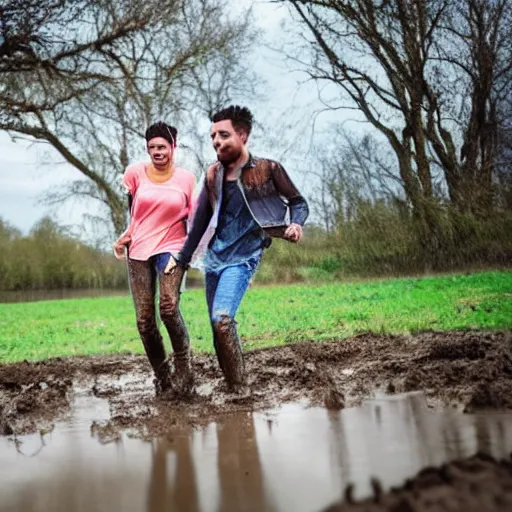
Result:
225,288
159,261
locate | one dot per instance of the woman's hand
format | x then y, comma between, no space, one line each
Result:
120,246
293,233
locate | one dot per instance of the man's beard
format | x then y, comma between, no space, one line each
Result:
229,158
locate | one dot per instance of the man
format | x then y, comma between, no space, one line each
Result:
243,202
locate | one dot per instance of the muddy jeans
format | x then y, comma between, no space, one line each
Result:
143,278
226,288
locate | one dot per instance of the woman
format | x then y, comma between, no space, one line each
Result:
160,197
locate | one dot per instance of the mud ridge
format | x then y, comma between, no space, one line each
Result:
477,484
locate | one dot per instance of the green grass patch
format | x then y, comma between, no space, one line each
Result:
269,316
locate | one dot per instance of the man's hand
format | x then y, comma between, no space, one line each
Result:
171,266
120,246
293,233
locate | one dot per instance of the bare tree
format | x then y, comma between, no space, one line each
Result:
349,171
479,53
502,179
404,65
50,49
94,74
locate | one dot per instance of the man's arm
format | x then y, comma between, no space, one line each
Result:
298,205
201,220
299,209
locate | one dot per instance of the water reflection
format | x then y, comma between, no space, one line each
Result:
239,464
84,293
233,481
292,459
172,488
393,439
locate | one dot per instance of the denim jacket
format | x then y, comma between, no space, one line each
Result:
270,196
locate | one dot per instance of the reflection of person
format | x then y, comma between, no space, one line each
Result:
178,467
160,196
168,491
239,464
244,200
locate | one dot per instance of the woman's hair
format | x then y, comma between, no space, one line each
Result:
166,131
240,117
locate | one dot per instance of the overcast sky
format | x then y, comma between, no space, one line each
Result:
26,170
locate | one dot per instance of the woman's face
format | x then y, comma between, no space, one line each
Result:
160,151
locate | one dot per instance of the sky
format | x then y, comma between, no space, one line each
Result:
29,169
24,177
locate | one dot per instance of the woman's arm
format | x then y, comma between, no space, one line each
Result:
130,183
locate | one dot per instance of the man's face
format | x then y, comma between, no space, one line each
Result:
160,151
227,142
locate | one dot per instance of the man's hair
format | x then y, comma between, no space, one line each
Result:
166,131
240,117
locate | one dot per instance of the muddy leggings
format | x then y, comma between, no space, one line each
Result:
143,277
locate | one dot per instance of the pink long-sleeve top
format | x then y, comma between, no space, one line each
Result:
159,211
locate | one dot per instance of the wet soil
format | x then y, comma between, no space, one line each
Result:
477,484
468,370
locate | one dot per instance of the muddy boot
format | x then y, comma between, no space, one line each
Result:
229,354
216,346
162,381
183,377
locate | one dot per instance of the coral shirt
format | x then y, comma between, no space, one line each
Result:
159,211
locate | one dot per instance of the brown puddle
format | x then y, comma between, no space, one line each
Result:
293,458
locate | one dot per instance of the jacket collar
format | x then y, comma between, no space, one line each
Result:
250,163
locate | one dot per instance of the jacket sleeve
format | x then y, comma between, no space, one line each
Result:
299,209
202,217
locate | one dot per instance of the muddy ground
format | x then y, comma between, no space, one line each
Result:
468,370
477,484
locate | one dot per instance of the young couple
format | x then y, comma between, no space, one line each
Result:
243,202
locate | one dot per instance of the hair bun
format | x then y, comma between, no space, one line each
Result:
161,129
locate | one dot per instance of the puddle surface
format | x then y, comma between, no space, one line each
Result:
293,458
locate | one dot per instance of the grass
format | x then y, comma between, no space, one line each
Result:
269,316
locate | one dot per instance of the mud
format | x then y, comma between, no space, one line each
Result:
327,452
477,484
295,457
467,370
